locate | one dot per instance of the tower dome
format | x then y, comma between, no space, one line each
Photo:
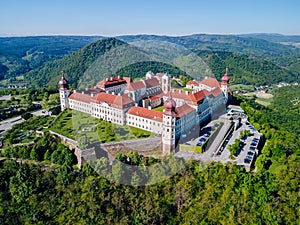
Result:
169,106
63,83
225,78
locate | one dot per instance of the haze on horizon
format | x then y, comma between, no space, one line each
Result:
175,18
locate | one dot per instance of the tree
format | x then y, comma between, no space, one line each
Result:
47,156
26,115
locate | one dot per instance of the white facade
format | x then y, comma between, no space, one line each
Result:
189,109
64,101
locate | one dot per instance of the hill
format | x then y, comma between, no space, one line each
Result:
251,60
243,69
74,64
277,38
22,54
246,69
244,45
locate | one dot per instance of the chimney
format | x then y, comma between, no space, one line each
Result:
118,76
149,107
135,104
111,78
82,92
113,93
186,92
106,79
107,92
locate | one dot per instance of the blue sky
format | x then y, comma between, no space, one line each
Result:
116,17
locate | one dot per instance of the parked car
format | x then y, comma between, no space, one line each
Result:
247,160
202,139
250,154
252,148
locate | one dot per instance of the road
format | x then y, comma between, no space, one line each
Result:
39,112
7,124
207,155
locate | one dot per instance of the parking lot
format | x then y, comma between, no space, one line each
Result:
218,151
248,150
204,135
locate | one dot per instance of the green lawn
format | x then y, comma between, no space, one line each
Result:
159,108
74,124
240,87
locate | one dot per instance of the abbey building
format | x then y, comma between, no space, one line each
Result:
123,102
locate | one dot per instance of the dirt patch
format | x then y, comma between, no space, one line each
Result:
263,95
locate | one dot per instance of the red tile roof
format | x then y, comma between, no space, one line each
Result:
183,110
190,98
136,85
151,98
211,82
146,113
122,100
81,97
153,82
127,79
110,82
113,100
215,92
117,101
193,82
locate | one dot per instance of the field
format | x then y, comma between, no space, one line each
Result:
261,98
240,87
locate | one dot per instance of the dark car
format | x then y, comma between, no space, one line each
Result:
252,148
246,160
202,140
250,154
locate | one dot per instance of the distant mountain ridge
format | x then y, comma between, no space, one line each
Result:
41,59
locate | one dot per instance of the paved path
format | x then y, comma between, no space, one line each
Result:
5,97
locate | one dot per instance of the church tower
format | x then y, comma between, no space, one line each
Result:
64,92
166,83
169,124
225,84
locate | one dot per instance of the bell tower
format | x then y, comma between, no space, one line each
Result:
225,84
64,92
166,83
169,125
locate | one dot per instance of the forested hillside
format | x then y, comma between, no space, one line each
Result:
255,57
231,43
198,194
245,69
21,54
74,64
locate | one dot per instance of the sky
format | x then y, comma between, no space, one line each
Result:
162,17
